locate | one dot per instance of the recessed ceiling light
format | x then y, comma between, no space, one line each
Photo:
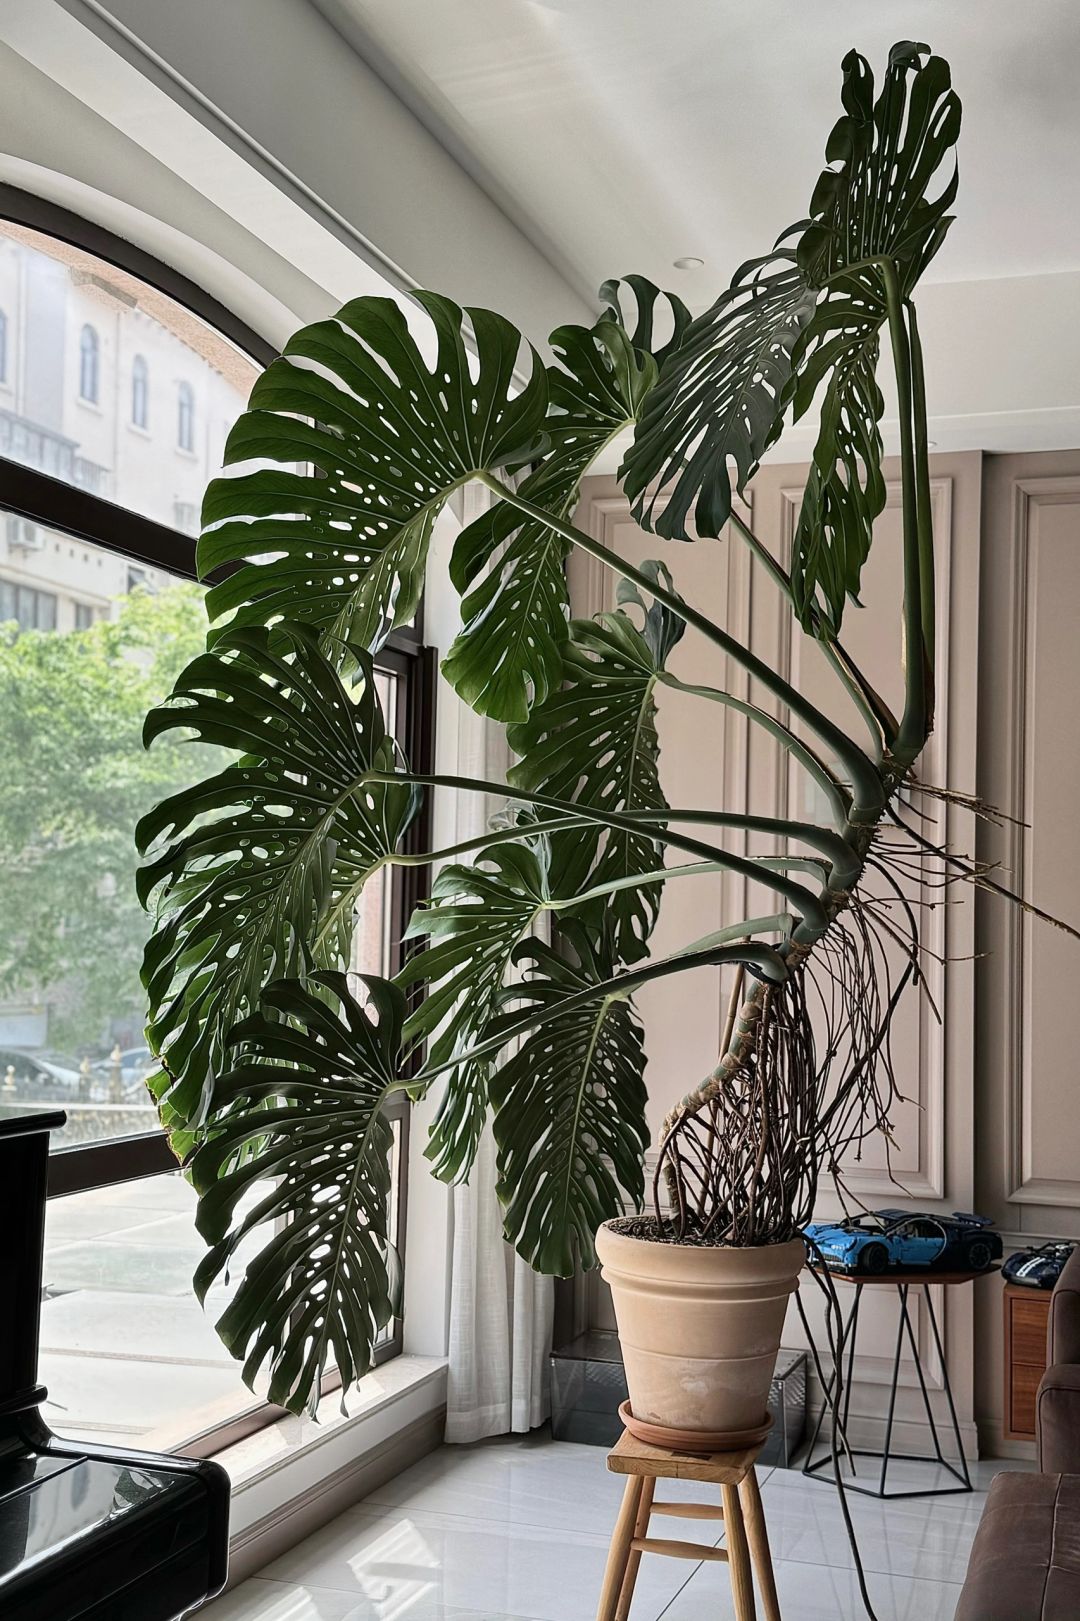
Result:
689,263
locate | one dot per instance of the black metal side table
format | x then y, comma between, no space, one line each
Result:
903,1281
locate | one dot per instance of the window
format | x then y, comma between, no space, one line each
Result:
29,608
3,347
120,1238
186,517
89,365
185,417
140,392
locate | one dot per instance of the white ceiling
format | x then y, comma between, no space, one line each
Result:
623,134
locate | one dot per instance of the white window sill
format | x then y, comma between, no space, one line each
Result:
297,1474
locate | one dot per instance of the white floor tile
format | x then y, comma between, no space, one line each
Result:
563,1487
517,1530
818,1593
397,1559
262,1600
929,1537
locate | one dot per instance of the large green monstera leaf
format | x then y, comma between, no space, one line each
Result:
809,315
256,857
385,438
594,743
569,1108
477,916
297,1143
509,567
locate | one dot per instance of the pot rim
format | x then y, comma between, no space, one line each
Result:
608,1227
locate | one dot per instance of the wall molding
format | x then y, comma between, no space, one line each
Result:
926,1178
1024,1186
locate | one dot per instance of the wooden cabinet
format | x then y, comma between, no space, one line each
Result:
1026,1314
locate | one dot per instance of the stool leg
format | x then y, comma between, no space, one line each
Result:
641,1529
742,1581
759,1545
619,1552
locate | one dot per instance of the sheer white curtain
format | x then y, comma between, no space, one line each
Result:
501,1311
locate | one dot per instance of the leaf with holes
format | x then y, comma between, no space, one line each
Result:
795,319
262,852
845,493
298,1147
385,438
569,1110
594,743
511,568
871,203
647,296
721,397
475,919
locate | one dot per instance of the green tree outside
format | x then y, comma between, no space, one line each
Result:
77,780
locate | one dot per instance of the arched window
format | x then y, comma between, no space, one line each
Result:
140,392
121,554
89,365
3,347
185,417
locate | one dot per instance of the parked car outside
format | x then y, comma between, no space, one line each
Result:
892,1239
136,1063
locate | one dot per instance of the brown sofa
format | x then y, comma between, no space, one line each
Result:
1025,1561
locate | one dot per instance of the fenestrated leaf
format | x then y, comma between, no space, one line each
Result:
647,296
569,1110
807,314
476,917
508,656
594,743
870,203
298,1145
386,438
721,396
262,850
845,493
882,157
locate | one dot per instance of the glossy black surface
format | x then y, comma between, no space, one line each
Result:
86,1534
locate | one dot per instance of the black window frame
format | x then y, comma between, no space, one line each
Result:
40,498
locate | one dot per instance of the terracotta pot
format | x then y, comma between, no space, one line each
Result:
700,1330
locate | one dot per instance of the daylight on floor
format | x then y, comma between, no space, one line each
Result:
539,574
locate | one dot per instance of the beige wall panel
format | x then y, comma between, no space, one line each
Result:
718,760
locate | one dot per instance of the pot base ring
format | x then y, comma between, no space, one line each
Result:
698,1441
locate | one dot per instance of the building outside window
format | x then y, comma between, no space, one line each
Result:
127,1352
26,607
3,347
89,365
140,392
185,417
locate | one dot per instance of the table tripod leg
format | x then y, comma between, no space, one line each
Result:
948,1389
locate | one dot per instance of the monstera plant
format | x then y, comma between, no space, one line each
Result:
277,1066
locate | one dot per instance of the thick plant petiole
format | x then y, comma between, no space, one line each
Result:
869,794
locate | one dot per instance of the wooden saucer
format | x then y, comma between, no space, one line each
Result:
703,1441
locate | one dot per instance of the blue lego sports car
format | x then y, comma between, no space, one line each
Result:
885,1239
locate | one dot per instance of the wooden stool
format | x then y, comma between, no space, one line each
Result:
741,1512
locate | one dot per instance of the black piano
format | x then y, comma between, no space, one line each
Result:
86,1534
